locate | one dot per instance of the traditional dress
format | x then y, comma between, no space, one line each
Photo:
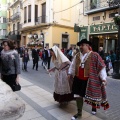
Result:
89,71
62,91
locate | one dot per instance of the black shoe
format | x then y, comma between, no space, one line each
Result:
78,115
36,69
94,111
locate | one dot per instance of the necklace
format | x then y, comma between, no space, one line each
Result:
86,57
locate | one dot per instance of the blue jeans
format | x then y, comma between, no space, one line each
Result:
25,65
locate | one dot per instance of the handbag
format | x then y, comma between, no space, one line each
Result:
15,86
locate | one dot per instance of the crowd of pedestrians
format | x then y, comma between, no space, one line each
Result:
80,73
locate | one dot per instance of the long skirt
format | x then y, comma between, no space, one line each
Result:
62,92
63,98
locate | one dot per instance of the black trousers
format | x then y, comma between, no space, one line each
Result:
9,79
35,63
49,59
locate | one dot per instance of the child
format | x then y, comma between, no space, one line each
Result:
25,59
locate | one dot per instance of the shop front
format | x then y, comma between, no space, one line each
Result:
104,35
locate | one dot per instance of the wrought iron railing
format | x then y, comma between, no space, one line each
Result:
41,19
103,4
15,32
15,16
8,20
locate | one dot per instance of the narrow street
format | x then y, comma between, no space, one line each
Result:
42,79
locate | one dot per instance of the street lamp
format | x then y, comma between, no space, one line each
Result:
116,71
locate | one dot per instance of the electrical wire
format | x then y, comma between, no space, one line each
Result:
68,8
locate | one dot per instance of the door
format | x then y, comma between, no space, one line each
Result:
44,13
95,43
65,40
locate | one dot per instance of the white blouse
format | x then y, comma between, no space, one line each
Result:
71,70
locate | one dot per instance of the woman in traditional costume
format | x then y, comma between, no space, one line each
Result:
62,92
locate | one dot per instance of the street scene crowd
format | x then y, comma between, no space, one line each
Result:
80,73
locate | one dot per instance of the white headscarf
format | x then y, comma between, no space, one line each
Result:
59,55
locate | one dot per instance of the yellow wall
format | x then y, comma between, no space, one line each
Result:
57,35
48,36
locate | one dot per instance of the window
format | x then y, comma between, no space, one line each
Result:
4,20
18,25
111,15
93,4
4,32
25,14
36,13
13,28
0,32
96,18
43,13
18,9
29,13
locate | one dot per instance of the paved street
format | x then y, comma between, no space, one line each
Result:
37,88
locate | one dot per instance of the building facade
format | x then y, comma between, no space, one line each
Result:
49,22
13,20
99,27
3,23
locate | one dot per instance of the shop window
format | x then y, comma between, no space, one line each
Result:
96,18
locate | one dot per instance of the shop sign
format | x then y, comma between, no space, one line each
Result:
101,28
83,32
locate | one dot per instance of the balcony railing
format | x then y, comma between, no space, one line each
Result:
15,32
8,20
41,19
96,7
15,16
13,3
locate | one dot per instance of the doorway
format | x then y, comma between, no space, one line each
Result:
95,43
65,39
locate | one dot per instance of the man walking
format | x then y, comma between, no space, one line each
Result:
35,57
89,74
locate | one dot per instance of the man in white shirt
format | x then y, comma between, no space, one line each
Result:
88,70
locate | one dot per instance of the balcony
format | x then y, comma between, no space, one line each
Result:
8,21
103,5
15,16
12,4
14,35
15,32
41,19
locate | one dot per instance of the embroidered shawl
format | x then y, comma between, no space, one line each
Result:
95,91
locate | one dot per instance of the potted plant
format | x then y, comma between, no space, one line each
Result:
117,20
